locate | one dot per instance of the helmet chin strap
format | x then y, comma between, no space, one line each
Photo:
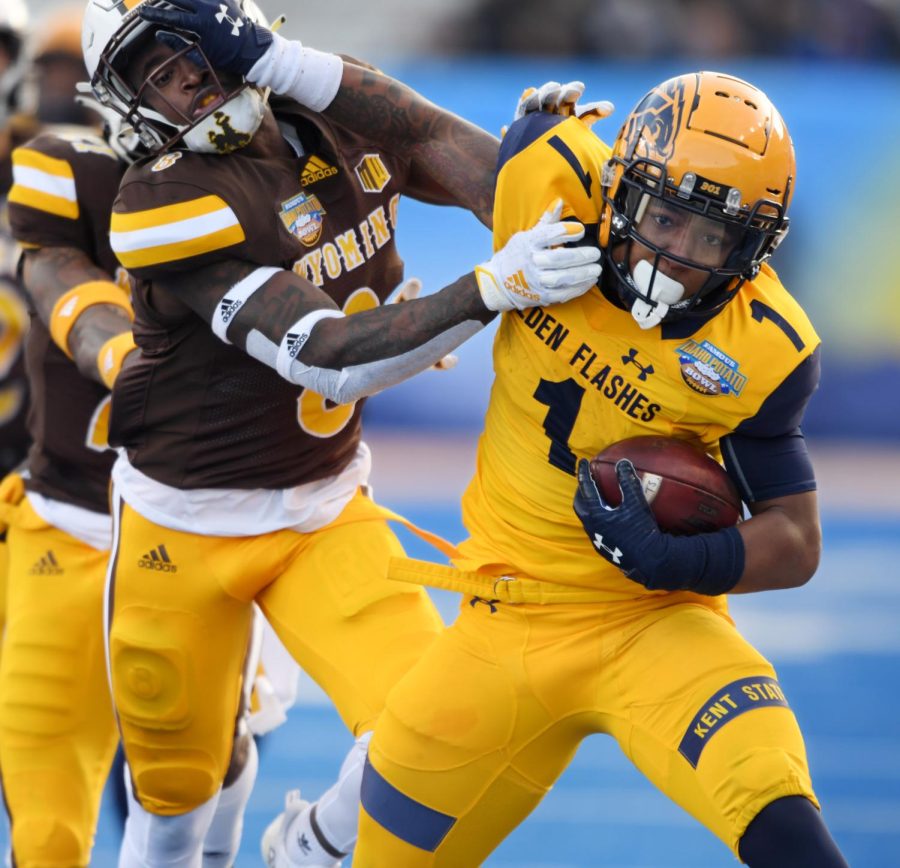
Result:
663,290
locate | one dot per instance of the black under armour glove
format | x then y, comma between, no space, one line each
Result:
228,38
629,537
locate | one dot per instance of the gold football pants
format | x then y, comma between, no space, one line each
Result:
180,611
478,731
57,731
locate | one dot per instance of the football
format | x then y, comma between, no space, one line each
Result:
688,491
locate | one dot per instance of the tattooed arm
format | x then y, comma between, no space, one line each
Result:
49,273
289,324
453,161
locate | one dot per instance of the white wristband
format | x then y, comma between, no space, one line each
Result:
234,299
311,77
296,336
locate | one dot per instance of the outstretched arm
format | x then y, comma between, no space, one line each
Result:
288,323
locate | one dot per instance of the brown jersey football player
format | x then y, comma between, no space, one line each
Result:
60,206
262,240
57,729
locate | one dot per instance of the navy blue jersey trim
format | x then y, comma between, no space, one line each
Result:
767,467
403,817
783,410
523,132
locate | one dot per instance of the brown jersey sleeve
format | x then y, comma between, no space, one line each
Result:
184,211
61,194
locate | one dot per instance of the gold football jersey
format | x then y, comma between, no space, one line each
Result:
574,378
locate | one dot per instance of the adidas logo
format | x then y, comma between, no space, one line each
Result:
228,308
316,170
46,566
295,343
517,284
158,559
69,307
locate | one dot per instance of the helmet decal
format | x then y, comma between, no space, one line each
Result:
656,119
697,187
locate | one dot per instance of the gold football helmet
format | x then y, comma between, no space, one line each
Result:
714,152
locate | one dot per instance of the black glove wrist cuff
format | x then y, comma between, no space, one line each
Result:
723,564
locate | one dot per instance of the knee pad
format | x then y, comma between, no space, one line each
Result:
148,663
43,677
150,673
47,842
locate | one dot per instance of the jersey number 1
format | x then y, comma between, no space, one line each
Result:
564,401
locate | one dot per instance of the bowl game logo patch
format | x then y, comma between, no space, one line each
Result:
303,216
709,371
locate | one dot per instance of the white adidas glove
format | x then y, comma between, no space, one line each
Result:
532,271
562,99
407,291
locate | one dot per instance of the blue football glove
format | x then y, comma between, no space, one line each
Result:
230,40
629,537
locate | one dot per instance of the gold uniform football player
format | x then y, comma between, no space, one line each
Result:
262,241
586,620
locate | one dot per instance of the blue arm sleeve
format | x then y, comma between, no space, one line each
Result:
766,455
768,467
523,132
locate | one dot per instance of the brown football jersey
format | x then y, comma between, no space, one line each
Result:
62,195
196,412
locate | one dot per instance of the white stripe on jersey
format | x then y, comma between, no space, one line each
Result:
177,232
36,179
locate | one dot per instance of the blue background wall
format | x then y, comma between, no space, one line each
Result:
839,259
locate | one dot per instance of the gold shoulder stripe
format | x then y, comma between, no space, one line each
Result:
32,159
174,232
43,183
129,221
181,250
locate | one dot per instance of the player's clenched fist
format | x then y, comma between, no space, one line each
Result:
532,270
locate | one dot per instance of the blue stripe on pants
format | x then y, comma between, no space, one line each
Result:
402,816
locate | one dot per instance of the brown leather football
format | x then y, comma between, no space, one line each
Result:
688,491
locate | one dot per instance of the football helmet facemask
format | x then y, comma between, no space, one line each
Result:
701,175
114,31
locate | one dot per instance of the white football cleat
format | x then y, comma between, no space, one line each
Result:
274,845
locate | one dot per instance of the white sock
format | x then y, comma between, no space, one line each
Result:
223,840
152,841
334,819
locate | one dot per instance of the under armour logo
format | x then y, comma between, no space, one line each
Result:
305,846
631,358
236,23
615,554
490,603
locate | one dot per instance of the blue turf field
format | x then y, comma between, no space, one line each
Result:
836,644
